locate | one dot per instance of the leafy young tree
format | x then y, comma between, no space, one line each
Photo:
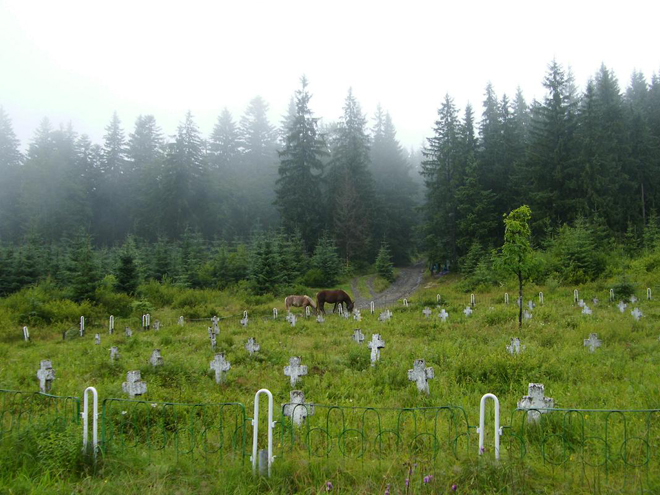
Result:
517,256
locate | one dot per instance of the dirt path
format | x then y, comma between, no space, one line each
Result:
406,283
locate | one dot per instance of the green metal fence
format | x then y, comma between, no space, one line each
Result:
21,410
594,449
200,431
376,433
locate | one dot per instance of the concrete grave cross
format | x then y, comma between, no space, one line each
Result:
46,375
97,339
427,312
114,354
295,370
291,318
633,299
622,306
296,409
320,319
181,321
346,314
593,342
357,316
527,315
274,313
595,300
376,344
220,365
26,334
214,341
128,332
244,321
82,326
586,310
581,303
530,304
216,326
358,336
420,374
535,401
111,325
156,359
251,346
443,315
515,347
157,325
636,313
467,311
385,316
134,386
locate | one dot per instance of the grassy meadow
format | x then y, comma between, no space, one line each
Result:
406,444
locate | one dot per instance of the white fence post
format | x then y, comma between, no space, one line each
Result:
611,295
372,306
506,298
111,324
648,293
26,334
482,421
95,419
255,430
472,300
438,298
82,326
541,297
576,296
274,313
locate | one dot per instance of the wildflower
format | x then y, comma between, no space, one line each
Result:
154,405
387,490
124,413
453,487
407,482
328,486
481,450
428,478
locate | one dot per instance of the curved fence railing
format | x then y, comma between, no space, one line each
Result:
21,410
205,431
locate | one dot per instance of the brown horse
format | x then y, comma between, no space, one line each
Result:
333,296
298,302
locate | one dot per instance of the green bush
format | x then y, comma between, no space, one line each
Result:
314,278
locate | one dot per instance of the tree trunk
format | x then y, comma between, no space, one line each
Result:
520,298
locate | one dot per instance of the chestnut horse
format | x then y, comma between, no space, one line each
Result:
298,302
333,296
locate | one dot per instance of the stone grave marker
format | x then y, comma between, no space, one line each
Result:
134,386
385,316
467,311
420,374
26,334
427,312
82,326
215,321
376,344
156,359
244,321
593,342
443,315
320,319
291,318
346,314
111,325
581,303
595,300
220,365
46,375
357,316
128,332
181,321
114,354
576,296
251,346
358,336
295,370
296,409
213,339
97,339
622,306
633,299
156,325
586,310
527,315
636,313
515,347
274,313
530,304
535,399
146,321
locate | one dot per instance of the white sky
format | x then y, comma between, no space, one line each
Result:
80,61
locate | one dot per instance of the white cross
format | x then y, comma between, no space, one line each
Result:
581,303
636,313
157,325
586,310
622,306
291,318
216,327
443,315
128,332
181,321
595,301
156,359
420,374
320,319
535,399
633,299
295,370
345,314
97,339
515,346
467,311
114,353
357,316
252,346
220,365
530,304
134,386
358,336
46,375
593,342
376,344
427,312
296,409
214,341
385,316
527,315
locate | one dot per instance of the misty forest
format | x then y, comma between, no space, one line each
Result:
270,204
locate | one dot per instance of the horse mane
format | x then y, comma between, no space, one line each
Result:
311,301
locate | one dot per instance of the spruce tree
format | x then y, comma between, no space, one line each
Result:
384,266
326,261
83,272
127,274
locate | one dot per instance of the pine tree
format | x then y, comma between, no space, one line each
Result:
300,171
224,144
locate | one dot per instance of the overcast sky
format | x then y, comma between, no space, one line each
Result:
80,61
